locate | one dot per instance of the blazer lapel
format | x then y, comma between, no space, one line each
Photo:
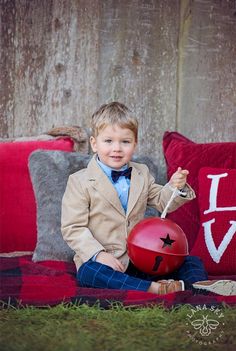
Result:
136,187
103,185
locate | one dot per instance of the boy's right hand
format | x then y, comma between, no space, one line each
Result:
109,260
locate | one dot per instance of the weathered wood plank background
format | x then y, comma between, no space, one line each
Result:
172,62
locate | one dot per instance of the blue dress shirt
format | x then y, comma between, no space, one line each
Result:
122,185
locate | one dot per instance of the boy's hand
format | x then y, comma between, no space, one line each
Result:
107,259
179,178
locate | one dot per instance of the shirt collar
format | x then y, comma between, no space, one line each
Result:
108,169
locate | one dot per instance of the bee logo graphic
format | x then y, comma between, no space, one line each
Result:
205,325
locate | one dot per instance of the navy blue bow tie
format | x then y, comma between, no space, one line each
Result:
116,174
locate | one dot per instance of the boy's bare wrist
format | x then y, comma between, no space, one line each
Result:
94,258
173,187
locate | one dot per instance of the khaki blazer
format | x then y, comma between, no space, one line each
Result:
93,218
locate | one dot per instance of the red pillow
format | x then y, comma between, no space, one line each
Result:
216,241
17,202
180,151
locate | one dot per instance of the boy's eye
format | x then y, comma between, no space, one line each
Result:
126,141
108,140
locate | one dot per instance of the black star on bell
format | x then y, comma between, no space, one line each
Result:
167,241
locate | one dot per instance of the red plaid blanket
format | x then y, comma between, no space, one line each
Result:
49,283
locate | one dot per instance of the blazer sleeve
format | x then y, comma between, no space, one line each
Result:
158,196
75,220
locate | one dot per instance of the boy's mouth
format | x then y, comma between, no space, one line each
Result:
116,157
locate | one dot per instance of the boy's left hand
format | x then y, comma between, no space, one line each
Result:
179,178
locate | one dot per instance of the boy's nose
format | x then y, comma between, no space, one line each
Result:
116,147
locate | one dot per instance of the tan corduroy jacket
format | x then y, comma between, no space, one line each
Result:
93,218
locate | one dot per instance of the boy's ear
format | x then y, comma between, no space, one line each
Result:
93,144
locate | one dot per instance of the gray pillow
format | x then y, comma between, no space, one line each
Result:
49,171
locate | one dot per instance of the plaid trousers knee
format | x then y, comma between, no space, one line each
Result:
97,275
192,270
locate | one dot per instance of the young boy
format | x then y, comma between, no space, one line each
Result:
103,202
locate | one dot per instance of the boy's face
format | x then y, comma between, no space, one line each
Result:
114,145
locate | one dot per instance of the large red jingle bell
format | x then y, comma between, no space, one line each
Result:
157,246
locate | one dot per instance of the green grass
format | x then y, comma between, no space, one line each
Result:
116,329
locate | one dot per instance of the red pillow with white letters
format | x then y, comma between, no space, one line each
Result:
216,241
180,151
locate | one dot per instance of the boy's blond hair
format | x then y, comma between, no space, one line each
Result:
114,113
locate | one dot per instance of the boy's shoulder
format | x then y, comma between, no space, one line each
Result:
139,166
83,172
145,165
93,169
79,174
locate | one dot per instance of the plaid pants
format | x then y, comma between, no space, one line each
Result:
96,275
